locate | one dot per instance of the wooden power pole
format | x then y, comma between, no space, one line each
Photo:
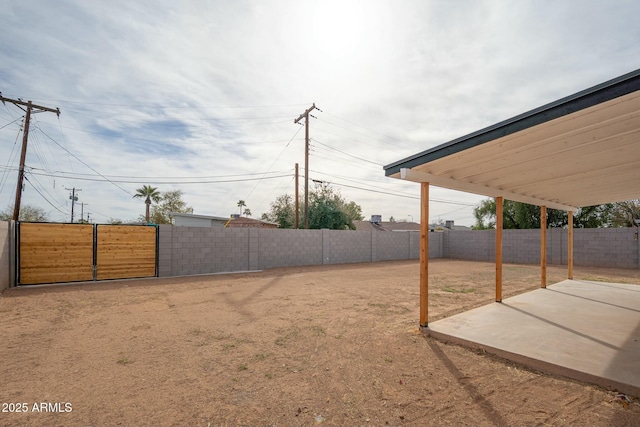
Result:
305,115
23,155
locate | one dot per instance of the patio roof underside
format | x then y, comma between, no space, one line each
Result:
579,151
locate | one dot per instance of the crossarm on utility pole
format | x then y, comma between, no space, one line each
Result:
23,154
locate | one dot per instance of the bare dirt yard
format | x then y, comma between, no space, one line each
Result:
331,345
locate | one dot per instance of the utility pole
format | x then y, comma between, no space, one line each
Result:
73,198
82,211
30,106
305,115
296,201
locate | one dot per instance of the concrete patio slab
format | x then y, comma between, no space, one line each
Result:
589,331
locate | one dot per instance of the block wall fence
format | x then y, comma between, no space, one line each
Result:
196,250
6,254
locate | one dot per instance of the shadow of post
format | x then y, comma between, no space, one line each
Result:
490,412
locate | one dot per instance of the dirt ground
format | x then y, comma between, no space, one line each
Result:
332,345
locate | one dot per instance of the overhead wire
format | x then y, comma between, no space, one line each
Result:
78,174
84,163
147,181
5,174
12,122
42,195
43,190
276,159
347,154
361,126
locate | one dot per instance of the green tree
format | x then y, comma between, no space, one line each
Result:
241,204
282,212
168,202
327,209
28,213
624,214
353,211
246,212
517,215
148,193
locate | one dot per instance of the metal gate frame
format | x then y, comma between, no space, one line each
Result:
17,257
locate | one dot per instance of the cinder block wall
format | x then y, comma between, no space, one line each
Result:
337,250
605,247
597,247
470,245
288,248
5,255
201,250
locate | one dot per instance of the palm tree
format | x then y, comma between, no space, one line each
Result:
241,204
148,193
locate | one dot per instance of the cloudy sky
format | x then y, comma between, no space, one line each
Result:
201,96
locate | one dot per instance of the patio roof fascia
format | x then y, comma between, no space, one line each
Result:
595,95
440,181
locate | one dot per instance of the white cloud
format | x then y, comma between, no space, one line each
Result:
161,89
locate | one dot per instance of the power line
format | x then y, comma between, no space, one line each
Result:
361,126
347,154
146,181
105,104
451,202
81,161
43,196
274,162
30,107
166,177
5,175
12,122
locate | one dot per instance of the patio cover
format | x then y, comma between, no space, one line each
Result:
581,150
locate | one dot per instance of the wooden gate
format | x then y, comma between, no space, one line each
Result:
50,253
125,252
54,253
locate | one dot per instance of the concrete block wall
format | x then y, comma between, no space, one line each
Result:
201,250
6,265
288,248
392,245
597,247
602,247
520,246
474,245
358,247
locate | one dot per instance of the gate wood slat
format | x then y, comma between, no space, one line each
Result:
51,253
125,252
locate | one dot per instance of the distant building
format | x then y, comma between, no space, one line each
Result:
191,220
244,222
235,221
376,223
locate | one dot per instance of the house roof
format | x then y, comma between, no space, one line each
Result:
188,215
581,150
386,226
242,221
